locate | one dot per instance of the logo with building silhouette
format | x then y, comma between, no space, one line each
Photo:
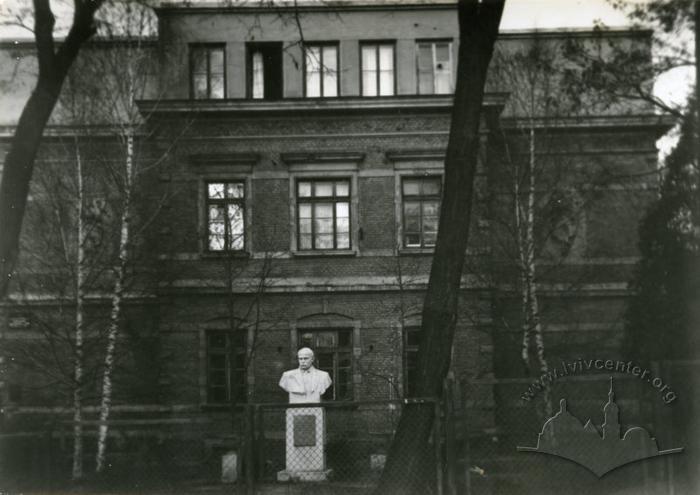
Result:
563,435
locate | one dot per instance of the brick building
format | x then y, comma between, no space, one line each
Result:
302,160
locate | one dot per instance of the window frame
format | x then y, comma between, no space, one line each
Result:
207,48
376,44
321,45
243,204
419,198
334,372
229,369
408,385
433,43
334,199
265,48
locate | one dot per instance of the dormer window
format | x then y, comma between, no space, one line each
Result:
207,75
321,70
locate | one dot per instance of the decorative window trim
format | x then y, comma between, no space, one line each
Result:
315,168
203,236
221,325
412,163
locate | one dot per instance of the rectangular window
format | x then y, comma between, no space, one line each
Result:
411,340
421,210
323,214
332,354
434,67
226,368
225,206
264,70
321,70
207,79
377,69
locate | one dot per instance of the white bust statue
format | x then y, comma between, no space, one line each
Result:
306,383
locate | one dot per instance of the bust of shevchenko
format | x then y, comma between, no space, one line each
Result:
305,383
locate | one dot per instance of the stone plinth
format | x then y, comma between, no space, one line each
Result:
305,445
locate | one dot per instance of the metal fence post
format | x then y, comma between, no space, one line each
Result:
438,449
249,450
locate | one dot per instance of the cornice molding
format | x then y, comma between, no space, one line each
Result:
322,157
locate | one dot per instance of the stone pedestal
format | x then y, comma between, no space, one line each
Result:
305,445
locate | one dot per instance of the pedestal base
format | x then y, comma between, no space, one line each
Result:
285,475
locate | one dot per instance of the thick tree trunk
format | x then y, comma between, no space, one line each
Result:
117,303
77,471
405,469
19,162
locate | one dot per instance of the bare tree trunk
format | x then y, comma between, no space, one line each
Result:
77,472
405,467
117,302
19,162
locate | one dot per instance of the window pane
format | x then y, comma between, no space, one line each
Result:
342,225
217,362
304,211
430,224
430,208
323,189
217,395
326,339
344,339
425,83
425,57
369,83
313,84
323,210
411,187
199,61
443,82
343,241
369,58
411,224
217,340
431,186
342,188
429,238
217,87
199,86
386,57
330,84
313,59
215,191
324,241
412,240
411,209
386,83
342,210
305,226
330,59
216,242
258,90
323,226
235,190
305,241
442,54
216,61
304,189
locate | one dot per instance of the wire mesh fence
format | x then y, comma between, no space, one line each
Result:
341,443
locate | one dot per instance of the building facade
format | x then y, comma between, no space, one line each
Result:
295,199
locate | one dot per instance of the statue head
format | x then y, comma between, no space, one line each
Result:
305,357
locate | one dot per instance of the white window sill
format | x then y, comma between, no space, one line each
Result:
325,252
